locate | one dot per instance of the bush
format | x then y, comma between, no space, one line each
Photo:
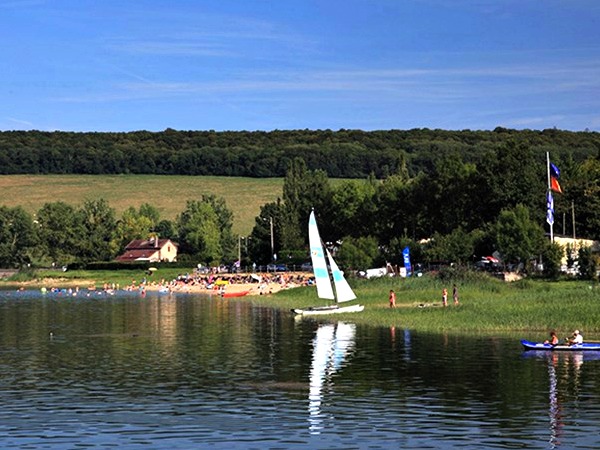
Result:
462,274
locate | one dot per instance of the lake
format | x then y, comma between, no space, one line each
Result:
185,371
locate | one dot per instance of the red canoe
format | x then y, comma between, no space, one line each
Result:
234,294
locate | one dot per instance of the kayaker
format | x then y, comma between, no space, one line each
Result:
553,338
577,338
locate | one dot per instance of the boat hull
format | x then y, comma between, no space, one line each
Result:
234,294
319,311
586,346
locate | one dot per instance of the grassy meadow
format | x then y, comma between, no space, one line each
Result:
168,193
526,309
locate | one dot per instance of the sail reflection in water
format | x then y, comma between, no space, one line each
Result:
331,346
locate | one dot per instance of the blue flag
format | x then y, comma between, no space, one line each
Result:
406,256
554,171
550,208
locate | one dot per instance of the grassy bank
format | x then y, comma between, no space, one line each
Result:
526,308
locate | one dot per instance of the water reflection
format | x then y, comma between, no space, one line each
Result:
331,346
195,372
564,368
556,424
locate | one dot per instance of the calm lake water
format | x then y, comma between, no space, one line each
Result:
180,372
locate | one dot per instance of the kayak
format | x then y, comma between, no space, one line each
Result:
586,346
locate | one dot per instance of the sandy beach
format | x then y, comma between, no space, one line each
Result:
230,285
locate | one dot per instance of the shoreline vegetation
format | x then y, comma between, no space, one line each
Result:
526,308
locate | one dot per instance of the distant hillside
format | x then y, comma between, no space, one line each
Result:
169,194
341,154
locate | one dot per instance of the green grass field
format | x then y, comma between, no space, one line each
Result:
524,309
168,193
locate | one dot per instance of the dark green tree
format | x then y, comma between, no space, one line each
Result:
456,247
166,229
98,227
583,193
396,214
228,241
59,230
519,239
358,253
151,213
266,231
303,190
132,225
588,264
17,237
552,254
353,207
199,232
516,175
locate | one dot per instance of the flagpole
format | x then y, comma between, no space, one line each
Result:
547,192
573,212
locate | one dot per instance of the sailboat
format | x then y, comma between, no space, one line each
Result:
323,275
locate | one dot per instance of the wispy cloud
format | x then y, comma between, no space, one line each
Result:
454,80
174,48
19,123
535,121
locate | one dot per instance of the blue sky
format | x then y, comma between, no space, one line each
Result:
123,65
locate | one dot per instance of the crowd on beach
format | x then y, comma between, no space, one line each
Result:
263,283
252,284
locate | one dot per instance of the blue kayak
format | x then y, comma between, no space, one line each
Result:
586,346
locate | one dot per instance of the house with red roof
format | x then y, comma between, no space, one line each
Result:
151,250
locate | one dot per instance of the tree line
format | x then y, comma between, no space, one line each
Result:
340,154
60,234
455,212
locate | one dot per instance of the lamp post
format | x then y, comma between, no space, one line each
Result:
272,240
245,238
272,237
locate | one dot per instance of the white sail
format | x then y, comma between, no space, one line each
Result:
343,291
324,288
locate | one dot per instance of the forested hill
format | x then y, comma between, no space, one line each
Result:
341,154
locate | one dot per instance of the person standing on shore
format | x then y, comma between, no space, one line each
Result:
455,294
392,299
445,297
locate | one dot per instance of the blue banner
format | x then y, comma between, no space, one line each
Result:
406,256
